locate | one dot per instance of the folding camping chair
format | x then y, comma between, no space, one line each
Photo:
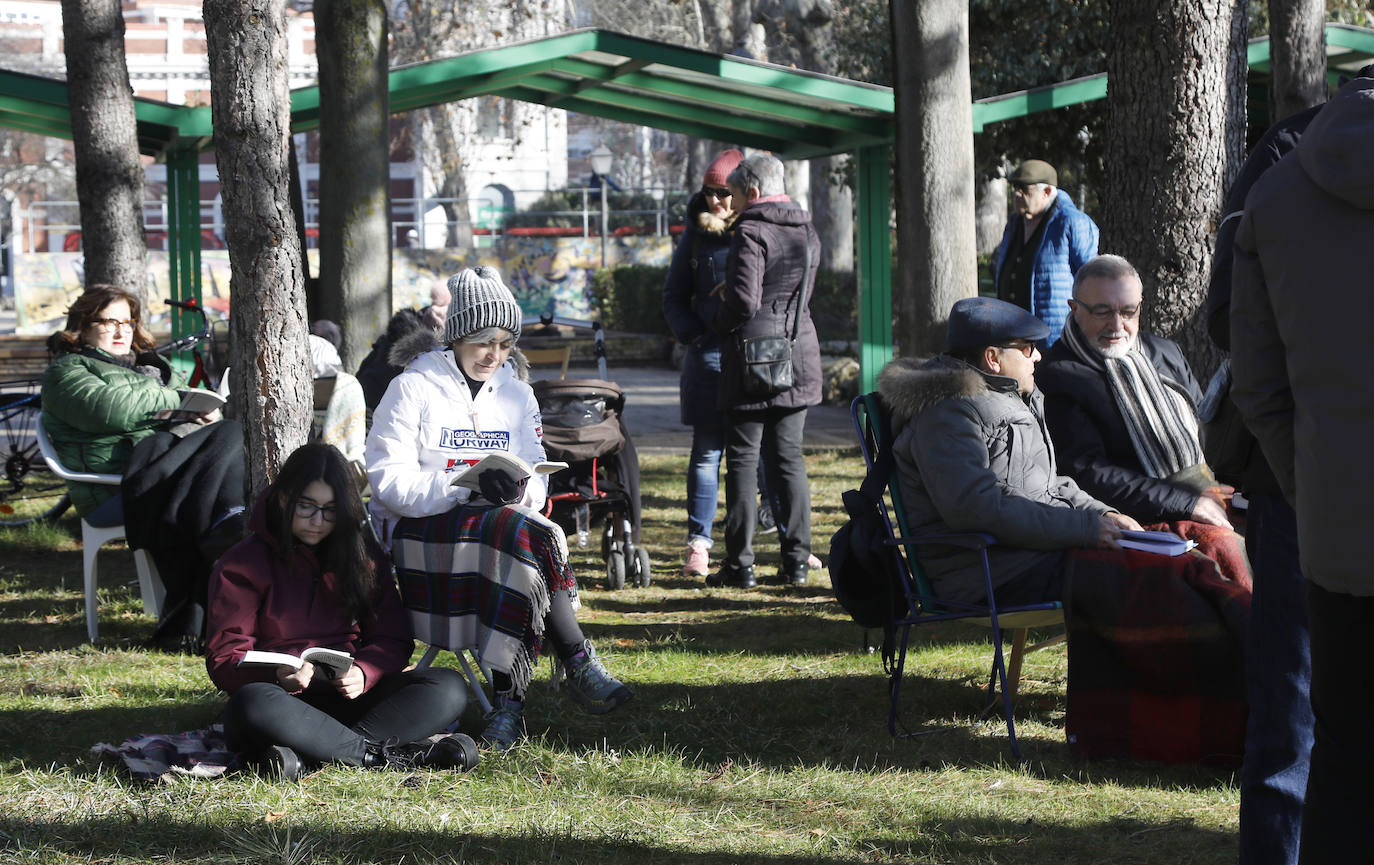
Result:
873,425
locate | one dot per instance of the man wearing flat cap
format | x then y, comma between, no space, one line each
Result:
973,455
1045,242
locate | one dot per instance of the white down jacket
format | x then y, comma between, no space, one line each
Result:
429,425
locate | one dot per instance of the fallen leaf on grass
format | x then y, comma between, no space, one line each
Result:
273,816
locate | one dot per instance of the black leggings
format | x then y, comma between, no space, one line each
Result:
323,726
563,631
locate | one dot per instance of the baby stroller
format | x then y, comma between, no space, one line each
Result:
584,427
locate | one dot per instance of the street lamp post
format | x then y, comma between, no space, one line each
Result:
600,159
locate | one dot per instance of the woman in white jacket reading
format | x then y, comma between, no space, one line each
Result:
489,570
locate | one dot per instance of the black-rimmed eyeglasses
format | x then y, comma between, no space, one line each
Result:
307,510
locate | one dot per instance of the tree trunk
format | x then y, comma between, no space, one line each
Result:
992,214
251,110
355,171
832,212
937,258
1297,56
1175,138
109,173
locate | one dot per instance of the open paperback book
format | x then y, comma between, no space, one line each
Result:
1167,543
509,464
195,402
331,663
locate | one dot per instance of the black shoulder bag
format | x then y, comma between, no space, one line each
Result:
768,359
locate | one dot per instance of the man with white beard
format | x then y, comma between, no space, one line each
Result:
1122,405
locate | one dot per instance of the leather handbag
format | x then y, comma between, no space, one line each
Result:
767,360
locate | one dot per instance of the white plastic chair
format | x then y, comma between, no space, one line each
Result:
98,528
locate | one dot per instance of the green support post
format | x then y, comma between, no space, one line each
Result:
873,204
183,234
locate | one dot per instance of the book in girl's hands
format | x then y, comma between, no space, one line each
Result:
507,463
331,663
195,402
1166,543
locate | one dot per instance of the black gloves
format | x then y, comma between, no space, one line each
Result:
499,488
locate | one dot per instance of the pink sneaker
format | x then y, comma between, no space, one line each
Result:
697,561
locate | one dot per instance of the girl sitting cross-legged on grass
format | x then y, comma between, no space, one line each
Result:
310,575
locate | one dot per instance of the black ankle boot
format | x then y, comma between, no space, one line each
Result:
739,578
450,751
278,762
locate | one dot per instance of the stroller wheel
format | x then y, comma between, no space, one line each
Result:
642,565
615,567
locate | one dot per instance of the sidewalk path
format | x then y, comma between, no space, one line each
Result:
651,413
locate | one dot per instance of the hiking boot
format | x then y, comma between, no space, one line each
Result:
697,560
739,578
278,762
594,689
449,751
505,724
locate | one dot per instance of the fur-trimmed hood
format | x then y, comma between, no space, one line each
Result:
706,223
909,386
412,345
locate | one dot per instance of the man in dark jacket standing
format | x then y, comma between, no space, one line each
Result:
769,278
1300,293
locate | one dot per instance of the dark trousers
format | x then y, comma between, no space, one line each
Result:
1278,670
323,726
777,433
1336,824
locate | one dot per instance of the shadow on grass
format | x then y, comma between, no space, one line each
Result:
150,837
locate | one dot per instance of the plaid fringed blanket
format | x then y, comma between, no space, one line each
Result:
164,756
1218,543
1156,657
480,578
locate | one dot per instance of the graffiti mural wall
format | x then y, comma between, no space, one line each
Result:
547,274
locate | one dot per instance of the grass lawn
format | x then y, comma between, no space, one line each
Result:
757,735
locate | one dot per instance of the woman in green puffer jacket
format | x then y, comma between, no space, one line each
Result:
182,493
101,395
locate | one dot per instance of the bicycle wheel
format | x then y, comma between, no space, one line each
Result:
29,490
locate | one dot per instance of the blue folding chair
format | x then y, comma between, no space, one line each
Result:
872,422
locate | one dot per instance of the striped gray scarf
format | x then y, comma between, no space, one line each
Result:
1158,412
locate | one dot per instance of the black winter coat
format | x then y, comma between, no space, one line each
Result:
690,306
1091,439
763,287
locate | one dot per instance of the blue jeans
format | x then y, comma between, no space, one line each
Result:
1278,670
703,483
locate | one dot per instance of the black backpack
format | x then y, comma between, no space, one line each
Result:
863,568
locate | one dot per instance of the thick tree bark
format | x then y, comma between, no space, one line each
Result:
109,173
937,260
355,171
832,212
1175,138
269,354
1297,57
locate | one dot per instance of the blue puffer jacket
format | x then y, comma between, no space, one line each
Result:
698,265
1066,244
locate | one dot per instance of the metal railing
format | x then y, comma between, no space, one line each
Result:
41,220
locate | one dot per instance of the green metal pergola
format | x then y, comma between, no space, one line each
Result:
794,114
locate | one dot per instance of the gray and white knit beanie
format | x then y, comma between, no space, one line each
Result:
480,300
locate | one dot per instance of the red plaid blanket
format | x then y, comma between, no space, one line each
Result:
1156,657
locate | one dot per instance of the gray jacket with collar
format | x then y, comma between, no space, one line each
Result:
973,455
